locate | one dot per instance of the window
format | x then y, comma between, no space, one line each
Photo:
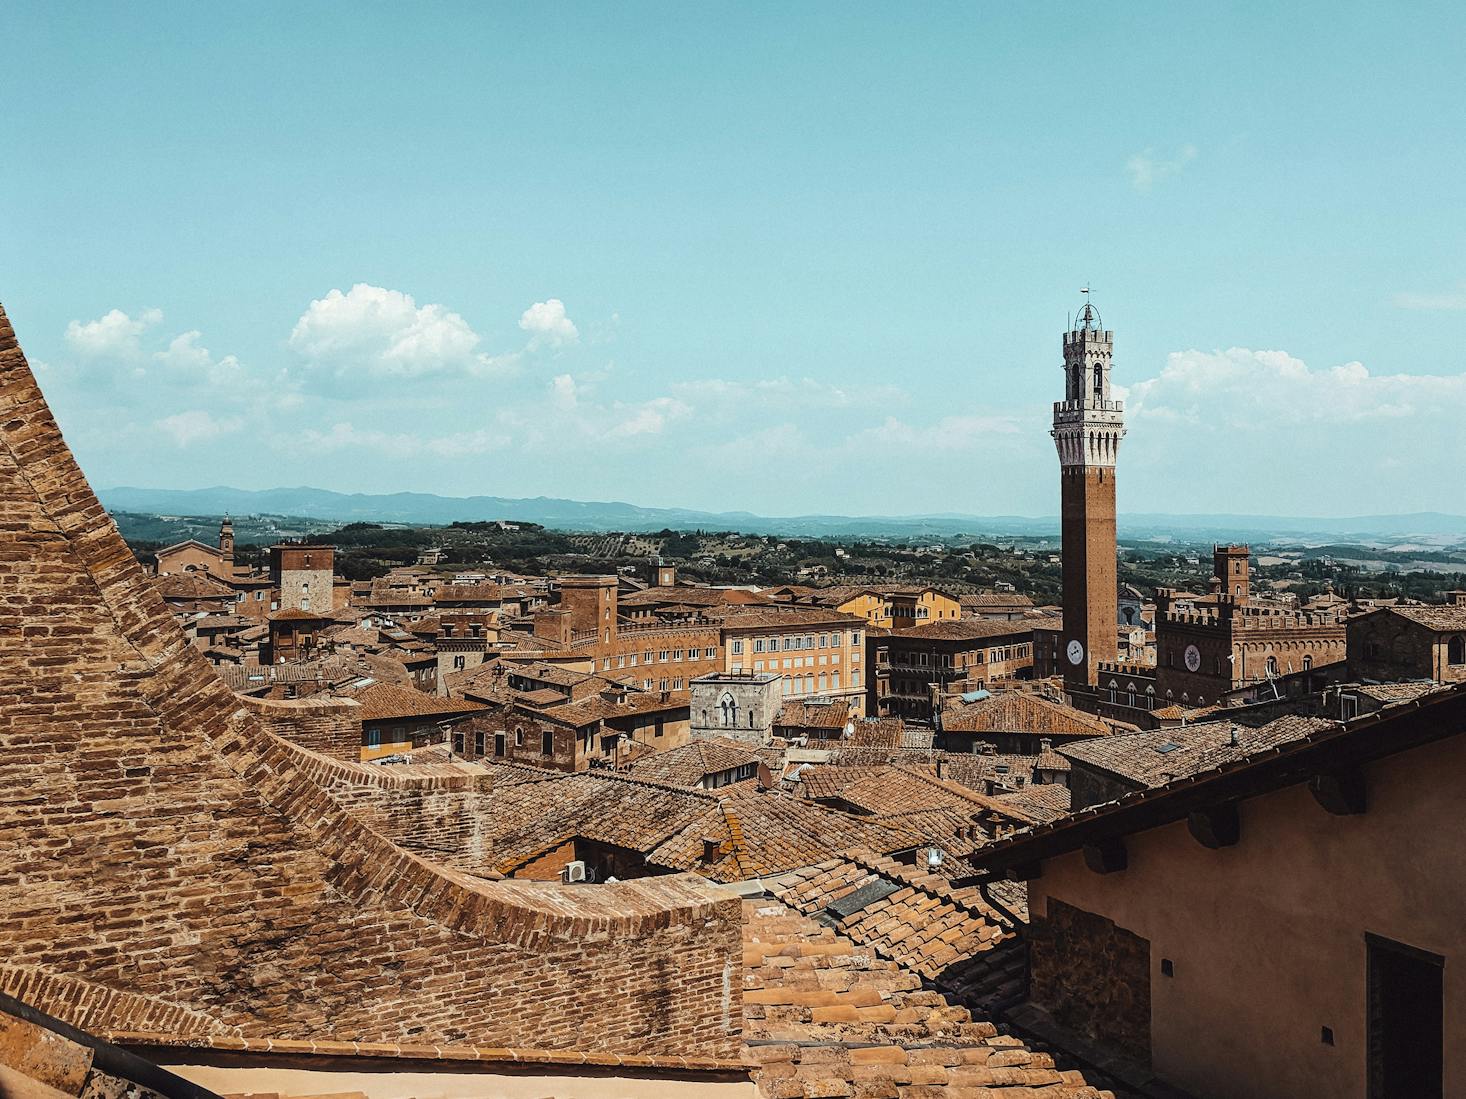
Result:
1272,666
374,738
662,656
547,743
824,641
259,597
709,654
458,742
855,637
499,745
1456,650
758,665
1307,663
737,648
519,738
458,662
663,686
646,658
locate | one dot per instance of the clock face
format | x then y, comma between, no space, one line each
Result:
1193,658
1075,651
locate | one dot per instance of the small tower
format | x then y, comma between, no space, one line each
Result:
1230,567
1088,427
226,547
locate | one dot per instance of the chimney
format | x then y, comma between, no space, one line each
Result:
1045,744
709,849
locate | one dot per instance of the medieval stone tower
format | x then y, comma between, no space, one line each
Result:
1088,427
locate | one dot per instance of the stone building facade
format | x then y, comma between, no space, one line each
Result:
1399,643
303,576
735,705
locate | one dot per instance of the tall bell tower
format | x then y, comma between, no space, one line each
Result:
1088,427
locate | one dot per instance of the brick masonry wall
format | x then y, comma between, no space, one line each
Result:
156,839
329,726
1092,977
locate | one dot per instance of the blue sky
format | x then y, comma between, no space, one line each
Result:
786,258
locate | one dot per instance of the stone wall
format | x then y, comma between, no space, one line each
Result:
330,726
156,839
1092,977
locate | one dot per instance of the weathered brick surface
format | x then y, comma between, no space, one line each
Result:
156,840
331,726
1093,977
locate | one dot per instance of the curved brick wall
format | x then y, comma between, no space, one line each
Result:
157,840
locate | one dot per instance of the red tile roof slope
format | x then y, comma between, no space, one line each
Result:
826,1016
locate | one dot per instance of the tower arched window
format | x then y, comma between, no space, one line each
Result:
1099,382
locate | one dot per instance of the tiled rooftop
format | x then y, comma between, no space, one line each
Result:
1154,757
689,764
1021,712
826,1016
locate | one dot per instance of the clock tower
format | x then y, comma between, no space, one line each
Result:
1088,427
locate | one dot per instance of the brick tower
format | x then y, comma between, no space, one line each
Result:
1088,427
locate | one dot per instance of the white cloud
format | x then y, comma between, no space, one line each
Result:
369,330
547,325
114,335
788,394
950,433
347,436
192,361
1147,168
1447,301
1246,390
648,418
564,391
195,425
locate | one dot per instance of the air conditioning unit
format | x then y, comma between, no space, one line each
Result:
574,871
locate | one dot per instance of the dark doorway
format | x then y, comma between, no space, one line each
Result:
1406,1035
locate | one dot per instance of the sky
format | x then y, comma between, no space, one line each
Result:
780,258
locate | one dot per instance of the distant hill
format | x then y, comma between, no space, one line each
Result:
578,515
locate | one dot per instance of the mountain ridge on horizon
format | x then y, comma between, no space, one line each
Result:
595,516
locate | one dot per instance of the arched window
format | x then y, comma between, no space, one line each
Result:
1456,650
1307,663
1130,695
1099,382
1272,665
1113,688
1150,698
729,711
